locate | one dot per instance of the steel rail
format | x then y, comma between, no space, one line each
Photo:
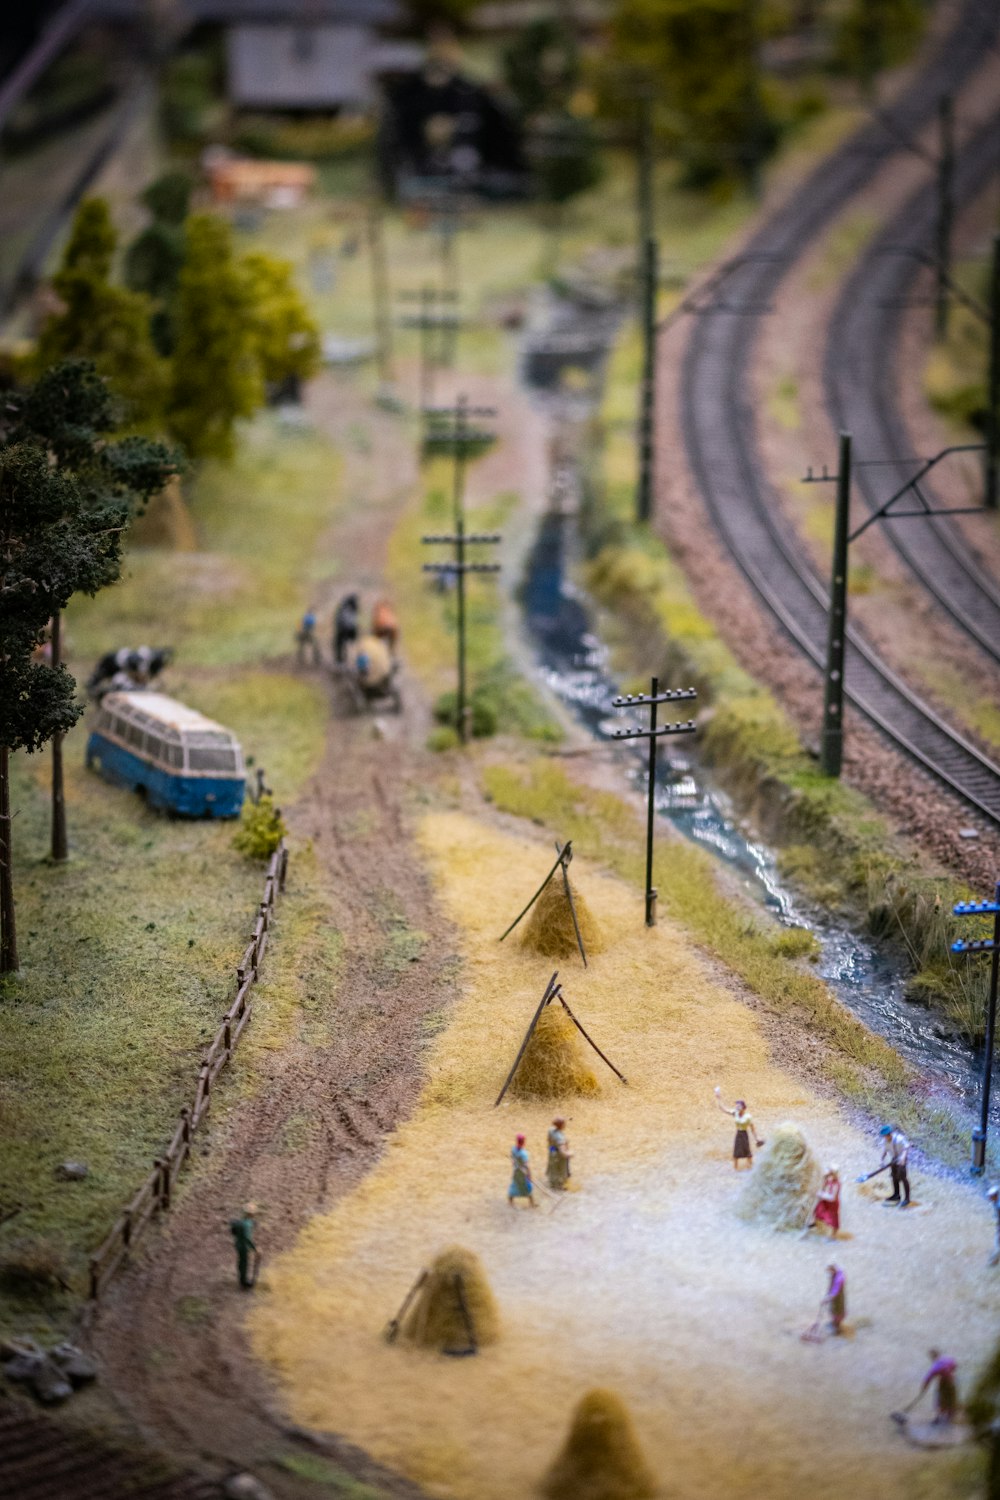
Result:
720,433
862,349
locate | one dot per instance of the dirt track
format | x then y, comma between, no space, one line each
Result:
169,1334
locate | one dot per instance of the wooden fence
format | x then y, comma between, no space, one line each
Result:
156,1193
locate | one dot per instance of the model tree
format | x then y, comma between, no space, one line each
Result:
154,259
285,337
101,322
870,35
701,57
66,494
216,371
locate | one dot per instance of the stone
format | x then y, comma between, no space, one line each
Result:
245,1487
77,1367
18,1344
72,1171
23,1365
50,1384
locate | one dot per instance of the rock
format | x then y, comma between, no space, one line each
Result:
77,1367
18,1344
72,1171
42,1374
23,1365
50,1384
245,1487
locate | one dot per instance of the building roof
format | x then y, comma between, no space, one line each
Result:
314,67
300,13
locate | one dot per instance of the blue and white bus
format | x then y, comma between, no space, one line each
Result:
171,754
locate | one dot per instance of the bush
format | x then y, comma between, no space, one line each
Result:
261,828
31,1265
444,737
316,138
795,942
483,709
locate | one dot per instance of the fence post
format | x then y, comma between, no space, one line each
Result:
186,1124
227,1036
163,1186
283,868
94,1278
127,1227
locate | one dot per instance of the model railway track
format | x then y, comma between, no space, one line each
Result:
862,344
721,440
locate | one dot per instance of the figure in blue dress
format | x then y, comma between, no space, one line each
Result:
521,1185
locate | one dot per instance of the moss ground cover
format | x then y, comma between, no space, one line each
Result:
128,949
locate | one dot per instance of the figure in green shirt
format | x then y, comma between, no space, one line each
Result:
242,1232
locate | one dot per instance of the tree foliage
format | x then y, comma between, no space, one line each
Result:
66,492
870,35
700,58
216,370
154,259
106,324
285,336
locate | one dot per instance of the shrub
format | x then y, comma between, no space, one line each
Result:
795,942
31,1265
483,712
444,737
261,828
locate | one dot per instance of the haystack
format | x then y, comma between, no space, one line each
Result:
782,1189
601,1458
549,927
554,1064
436,1319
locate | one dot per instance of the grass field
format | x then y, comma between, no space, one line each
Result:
127,950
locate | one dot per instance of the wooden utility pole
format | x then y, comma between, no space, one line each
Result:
652,734
832,746
647,407
945,212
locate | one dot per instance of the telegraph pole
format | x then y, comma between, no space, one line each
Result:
380,293
429,318
992,947
993,384
460,438
647,409
832,748
653,733
945,213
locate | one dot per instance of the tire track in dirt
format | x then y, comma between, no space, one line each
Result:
170,1334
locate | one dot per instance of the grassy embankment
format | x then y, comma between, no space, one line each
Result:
833,841
127,949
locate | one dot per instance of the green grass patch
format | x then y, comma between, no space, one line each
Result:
864,1067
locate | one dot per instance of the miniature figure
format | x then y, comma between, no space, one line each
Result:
305,638
895,1155
557,1169
994,1196
835,1300
385,624
942,1370
345,625
242,1232
827,1210
744,1125
521,1185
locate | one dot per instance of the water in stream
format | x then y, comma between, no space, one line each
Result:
573,662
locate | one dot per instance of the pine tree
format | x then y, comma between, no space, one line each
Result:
216,370
101,322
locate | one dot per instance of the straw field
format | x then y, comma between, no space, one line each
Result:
645,1281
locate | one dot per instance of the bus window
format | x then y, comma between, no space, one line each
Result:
175,756
212,757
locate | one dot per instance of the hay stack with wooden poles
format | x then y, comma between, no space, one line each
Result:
783,1187
549,929
555,1064
601,1458
453,1309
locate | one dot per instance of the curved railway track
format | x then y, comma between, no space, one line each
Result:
863,342
720,437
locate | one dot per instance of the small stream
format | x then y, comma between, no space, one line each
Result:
574,664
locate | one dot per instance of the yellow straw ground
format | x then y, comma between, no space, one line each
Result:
644,1280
